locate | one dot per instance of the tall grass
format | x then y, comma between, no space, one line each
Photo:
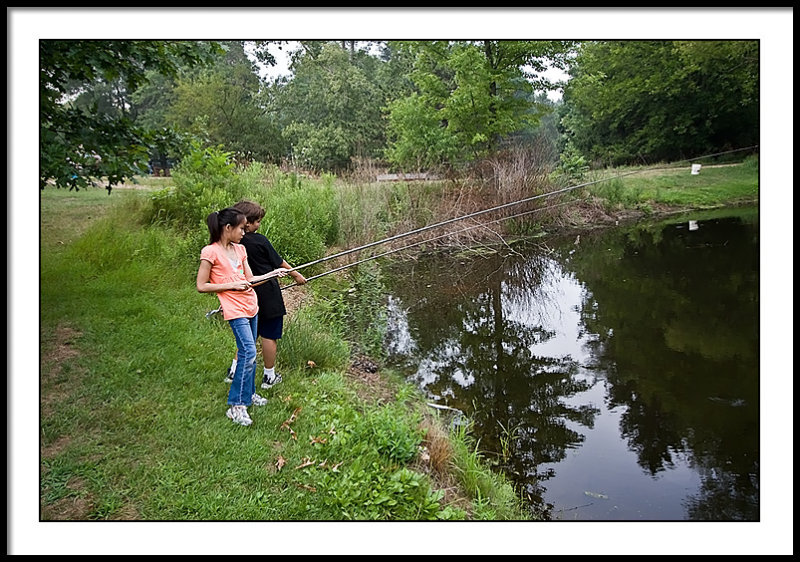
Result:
301,216
133,423
370,211
494,497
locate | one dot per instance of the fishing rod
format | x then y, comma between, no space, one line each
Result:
460,218
436,225
491,209
395,250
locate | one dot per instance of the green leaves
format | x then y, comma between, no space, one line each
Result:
331,109
79,142
469,94
662,100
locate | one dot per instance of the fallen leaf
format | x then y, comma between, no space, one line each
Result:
281,462
306,487
322,440
288,399
311,364
334,468
306,462
292,418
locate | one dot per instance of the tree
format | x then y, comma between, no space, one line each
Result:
662,100
220,104
81,142
331,108
474,92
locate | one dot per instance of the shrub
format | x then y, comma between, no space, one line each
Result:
301,215
394,434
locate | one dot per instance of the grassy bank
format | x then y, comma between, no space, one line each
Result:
132,423
669,189
132,420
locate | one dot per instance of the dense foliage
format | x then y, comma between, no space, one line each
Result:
629,101
80,142
109,106
468,95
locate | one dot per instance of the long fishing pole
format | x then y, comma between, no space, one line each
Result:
491,209
395,250
438,224
460,218
446,222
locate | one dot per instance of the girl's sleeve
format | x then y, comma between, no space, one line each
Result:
207,253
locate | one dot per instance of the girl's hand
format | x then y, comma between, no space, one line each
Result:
240,285
279,272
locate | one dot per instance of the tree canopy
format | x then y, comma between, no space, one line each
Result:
107,106
662,100
468,95
331,108
79,143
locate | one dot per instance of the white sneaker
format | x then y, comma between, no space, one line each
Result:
270,382
259,400
238,414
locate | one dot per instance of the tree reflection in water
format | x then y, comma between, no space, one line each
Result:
668,318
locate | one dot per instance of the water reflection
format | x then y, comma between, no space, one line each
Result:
615,378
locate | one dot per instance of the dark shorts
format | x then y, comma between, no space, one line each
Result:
270,328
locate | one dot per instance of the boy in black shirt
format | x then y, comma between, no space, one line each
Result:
263,258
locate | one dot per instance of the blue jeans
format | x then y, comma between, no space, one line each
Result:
244,378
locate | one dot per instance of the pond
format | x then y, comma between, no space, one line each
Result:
613,376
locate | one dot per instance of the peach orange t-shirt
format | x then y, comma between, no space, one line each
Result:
235,304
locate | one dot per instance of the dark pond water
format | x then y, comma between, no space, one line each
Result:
613,377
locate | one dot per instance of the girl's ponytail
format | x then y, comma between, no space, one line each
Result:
214,230
217,220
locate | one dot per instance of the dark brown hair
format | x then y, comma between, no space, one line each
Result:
252,210
217,220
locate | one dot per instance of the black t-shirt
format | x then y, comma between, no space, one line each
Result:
263,258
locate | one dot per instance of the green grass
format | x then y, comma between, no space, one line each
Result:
133,405
677,187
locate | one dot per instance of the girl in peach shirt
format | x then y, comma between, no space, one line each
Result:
224,270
